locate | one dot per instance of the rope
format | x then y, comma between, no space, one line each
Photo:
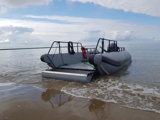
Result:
24,48
3,49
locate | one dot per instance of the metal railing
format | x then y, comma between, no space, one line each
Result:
115,48
78,44
59,46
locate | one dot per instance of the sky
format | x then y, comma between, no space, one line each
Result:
39,22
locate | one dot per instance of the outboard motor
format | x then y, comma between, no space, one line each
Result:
113,47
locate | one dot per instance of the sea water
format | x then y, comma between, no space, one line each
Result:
137,86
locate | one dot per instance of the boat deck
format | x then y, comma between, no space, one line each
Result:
80,66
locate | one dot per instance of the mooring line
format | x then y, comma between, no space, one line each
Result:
24,48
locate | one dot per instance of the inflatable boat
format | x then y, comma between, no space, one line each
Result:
72,61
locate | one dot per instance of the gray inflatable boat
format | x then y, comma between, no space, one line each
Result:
74,62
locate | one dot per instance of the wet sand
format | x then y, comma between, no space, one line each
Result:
51,104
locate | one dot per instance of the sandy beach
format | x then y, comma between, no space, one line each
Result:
51,104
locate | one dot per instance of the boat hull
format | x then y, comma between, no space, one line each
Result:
108,63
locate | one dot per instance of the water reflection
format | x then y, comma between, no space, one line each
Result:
55,97
98,108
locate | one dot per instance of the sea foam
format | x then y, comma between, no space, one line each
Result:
130,95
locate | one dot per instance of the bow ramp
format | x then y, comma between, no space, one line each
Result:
69,74
80,72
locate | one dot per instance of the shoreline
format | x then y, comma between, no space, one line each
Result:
53,104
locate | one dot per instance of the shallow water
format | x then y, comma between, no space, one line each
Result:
137,86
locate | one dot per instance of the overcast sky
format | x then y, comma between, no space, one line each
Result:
42,21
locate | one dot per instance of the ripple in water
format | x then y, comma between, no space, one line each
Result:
129,95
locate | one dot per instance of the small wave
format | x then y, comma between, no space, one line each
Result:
129,95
